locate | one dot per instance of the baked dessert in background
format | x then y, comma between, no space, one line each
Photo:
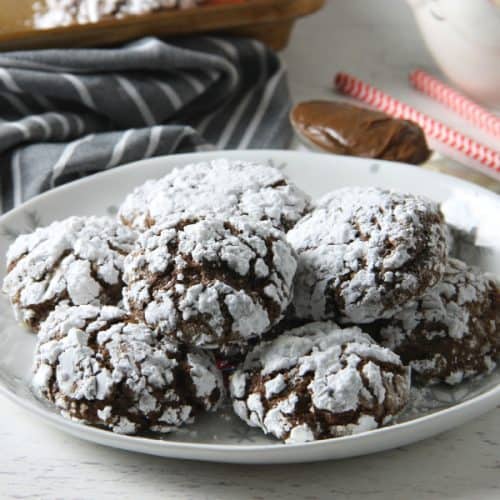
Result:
211,283
343,128
77,261
452,332
218,188
364,252
55,13
317,382
100,367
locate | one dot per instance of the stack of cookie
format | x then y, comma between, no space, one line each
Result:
131,312
379,259
320,309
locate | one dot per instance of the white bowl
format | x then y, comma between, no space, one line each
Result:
464,38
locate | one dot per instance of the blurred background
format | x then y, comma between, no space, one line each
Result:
380,42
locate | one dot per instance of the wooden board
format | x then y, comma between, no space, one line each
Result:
270,21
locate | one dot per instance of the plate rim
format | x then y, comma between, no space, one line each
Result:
251,152
476,405
53,418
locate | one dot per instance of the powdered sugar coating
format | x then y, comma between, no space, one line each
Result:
78,261
210,283
319,381
219,188
363,252
453,331
55,13
100,367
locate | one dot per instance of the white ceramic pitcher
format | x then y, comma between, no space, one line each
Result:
464,38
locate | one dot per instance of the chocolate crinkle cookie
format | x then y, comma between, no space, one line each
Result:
319,381
452,332
210,283
99,366
77,261
364,252
219,188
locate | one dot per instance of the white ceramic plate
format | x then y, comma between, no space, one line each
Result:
222,437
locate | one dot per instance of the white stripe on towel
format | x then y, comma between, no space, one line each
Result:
82,90
19,126
170,94
66,155
154,140
16,178
16,103
238,112
197,86
119,149
63,121
134,94
47,129
8,81
264,103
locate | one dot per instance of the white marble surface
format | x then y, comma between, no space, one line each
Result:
379,42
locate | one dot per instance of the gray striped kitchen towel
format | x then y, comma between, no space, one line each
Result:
73,112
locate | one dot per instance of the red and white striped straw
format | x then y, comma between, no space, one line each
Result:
483,156
456,101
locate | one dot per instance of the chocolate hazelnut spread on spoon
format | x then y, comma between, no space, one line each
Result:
343,128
